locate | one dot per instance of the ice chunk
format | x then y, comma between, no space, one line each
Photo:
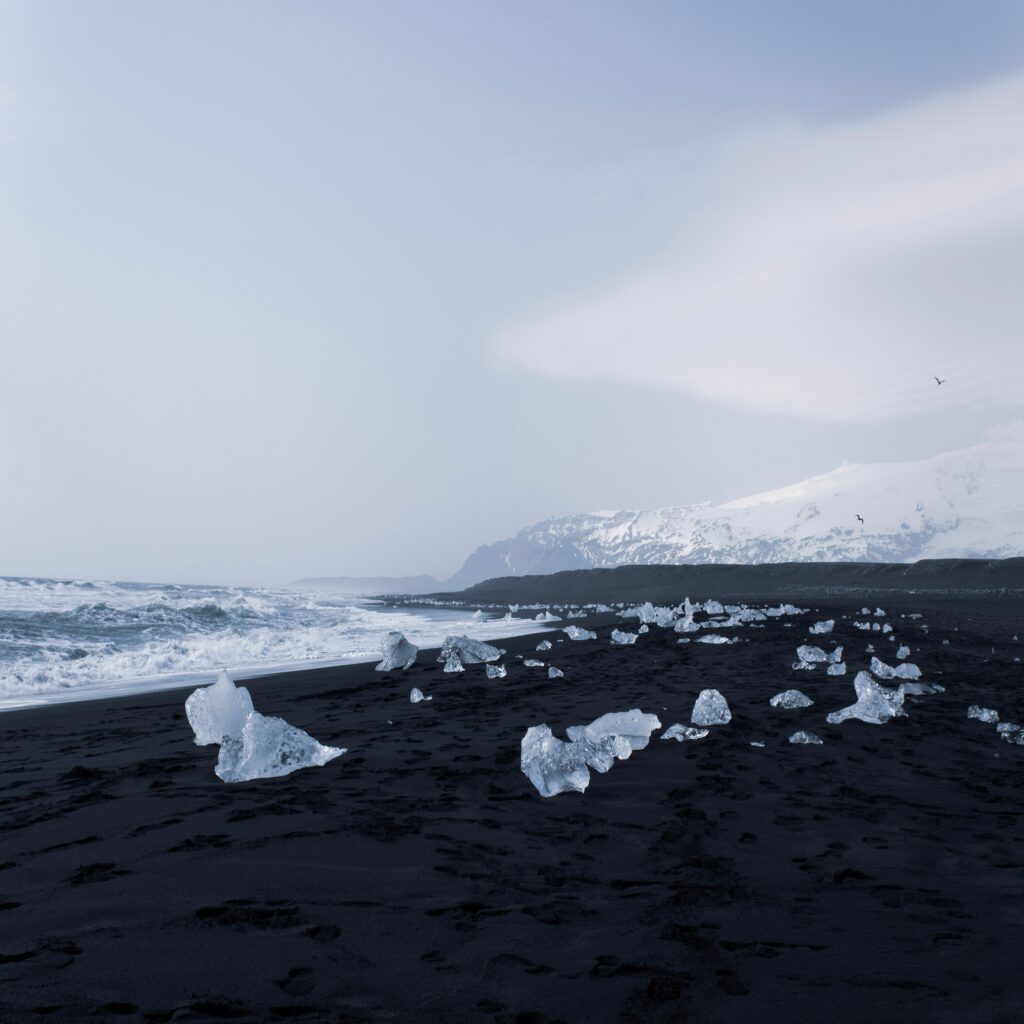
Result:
908,670
635,727
533,663
644,628
453,663
477,616
791,699
921,689
416,695
544,645
756,743
823,627
554,673
218,710
664,617
619,637
1014,737
714,607
578,633
713,638
496,672
681,733
875,704
835,655
903,652
269,747
838,669
710,708
1007,727
397,651
546,616
803,736
987,715
467,652
811,655
554,766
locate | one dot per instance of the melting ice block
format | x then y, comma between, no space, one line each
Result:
809,657
988,715
791,699
803,736
416,695
682,733
903,652
838,669
619,637
825,626
269,747
554,673
908,670
544,645
533,663
546,616
713,638
218,710
578,633
467,652
554,766
710,708
875,704
496,672
397,651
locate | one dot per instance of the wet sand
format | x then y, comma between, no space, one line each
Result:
421,878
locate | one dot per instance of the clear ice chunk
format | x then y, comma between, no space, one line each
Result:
544,645
903,652
619,637
546,616
908,670
875,704
710,708
713,638
218,710
467,652
714,608
826,626
988,715
496,671
397,651
803,736
416,695
554,673
838,669
791,699
681,733
269,747
578,633
453,663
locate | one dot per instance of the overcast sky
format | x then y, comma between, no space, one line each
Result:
315,289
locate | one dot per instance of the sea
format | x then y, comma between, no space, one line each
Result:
84,639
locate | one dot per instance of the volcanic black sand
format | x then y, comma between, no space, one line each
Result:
420,877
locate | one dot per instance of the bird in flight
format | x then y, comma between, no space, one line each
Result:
940,382
861,518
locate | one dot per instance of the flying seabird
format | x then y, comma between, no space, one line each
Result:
861,518
940,382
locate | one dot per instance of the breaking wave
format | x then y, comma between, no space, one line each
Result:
71,639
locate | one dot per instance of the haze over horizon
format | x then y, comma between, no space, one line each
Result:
352,289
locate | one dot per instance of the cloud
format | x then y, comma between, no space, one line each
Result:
832,273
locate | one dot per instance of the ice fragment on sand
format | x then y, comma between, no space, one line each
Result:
710,708
466,652
578,633
496,672
1007,727
416,695
713,638
554,673
823,627
714,607
913,689
453,663
269,747
546,616
681,733
756,743
791,699
989,715
875,704
903,652
218,710
397,651
554,766
533,663
644,628
838,669
544,645
803,736
619,637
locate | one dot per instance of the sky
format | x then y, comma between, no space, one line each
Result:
306,289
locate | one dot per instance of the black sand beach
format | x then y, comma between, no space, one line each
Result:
421,878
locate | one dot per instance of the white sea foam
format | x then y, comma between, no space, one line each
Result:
70,640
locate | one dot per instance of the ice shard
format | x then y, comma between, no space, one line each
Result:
803,736
554,673
416,695
710,708
875,704
682,733
218,710
269,747
988,715
496,671
791,699
826,626
467,652
578,633
397,651
619,637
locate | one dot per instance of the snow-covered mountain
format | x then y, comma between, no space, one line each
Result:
965,503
